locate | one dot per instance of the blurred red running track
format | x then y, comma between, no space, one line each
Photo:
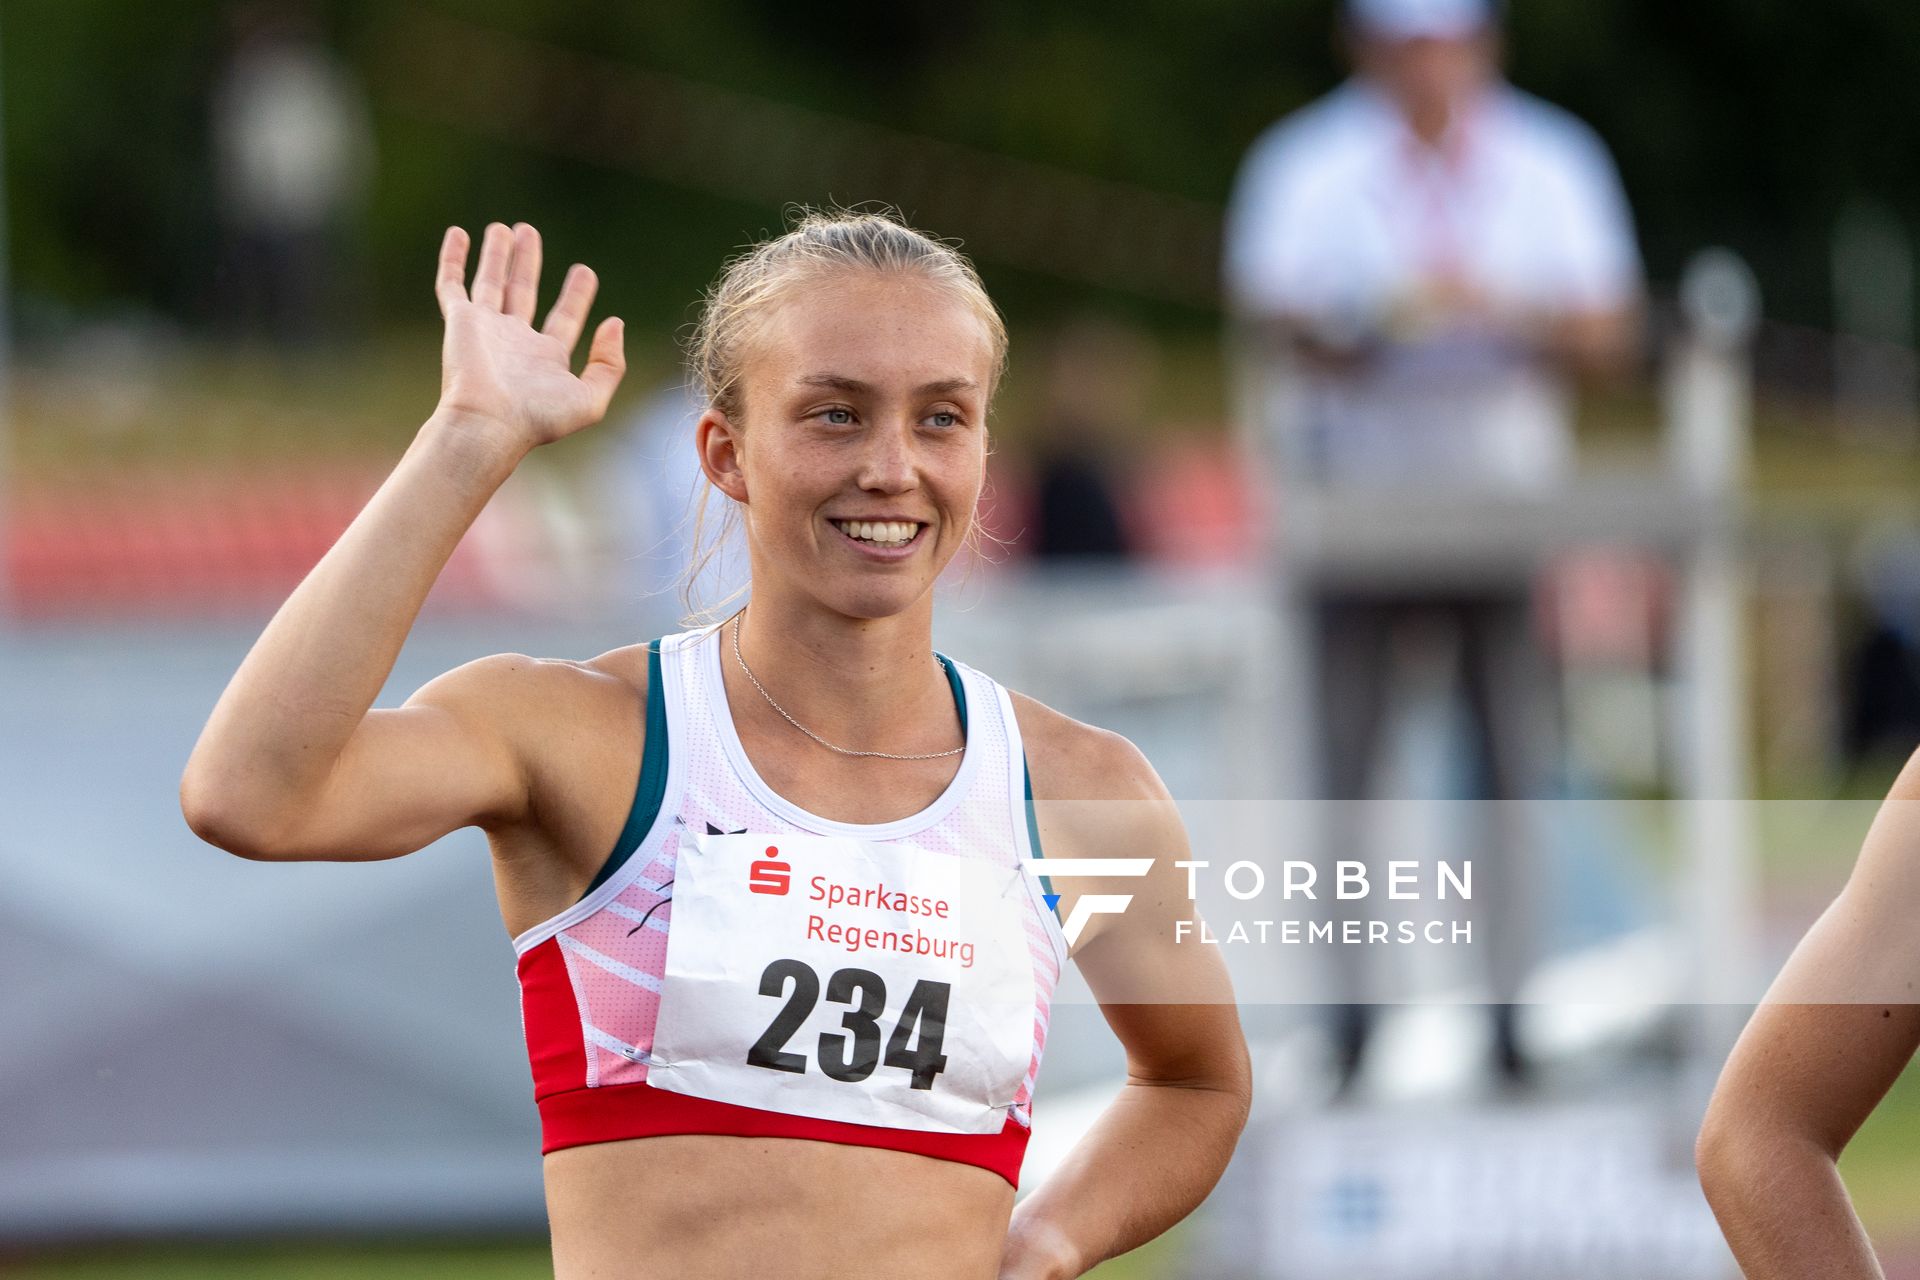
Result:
186,543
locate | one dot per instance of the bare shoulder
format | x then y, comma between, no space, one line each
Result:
1096,796
515,690
1069,759
570,727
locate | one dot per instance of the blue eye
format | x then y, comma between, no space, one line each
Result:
951,419
838,417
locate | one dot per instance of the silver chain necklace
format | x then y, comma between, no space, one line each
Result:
929,755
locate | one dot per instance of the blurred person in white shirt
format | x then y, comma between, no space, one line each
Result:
1442,250
1436,257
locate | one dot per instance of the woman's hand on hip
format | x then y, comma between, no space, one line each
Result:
500,376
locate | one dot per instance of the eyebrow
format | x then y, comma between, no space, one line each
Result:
853,386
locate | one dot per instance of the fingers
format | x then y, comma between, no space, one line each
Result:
450,280
496,258
606,363
523,282
507,280
569,315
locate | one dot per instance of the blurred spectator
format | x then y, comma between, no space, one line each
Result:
1433,253
1096,382
293,152
1440,249
1079,517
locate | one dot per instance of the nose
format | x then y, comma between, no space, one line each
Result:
888,463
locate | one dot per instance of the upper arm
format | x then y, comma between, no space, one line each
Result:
462,751
1842,1020
1597,267
443,760
1167,998
1268,219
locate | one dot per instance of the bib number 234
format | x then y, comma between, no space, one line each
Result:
914,1043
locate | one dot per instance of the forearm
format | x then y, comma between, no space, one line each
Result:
1329,345
314,672
1784,1210
1596,345
1155,1153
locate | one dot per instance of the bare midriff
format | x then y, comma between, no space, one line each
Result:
707,1205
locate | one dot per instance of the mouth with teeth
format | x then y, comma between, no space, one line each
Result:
888,535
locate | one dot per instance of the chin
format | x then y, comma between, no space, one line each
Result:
872,602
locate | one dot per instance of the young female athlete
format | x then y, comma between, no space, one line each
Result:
1835,1030
828,1070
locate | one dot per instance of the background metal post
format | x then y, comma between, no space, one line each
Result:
1709,423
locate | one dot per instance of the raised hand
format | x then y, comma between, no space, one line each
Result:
496,369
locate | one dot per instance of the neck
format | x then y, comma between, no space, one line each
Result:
1436,120
866,684
1431,122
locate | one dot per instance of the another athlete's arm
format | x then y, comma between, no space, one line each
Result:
293,763
1164,1141
1835,1030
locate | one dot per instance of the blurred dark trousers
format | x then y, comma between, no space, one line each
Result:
1360,643
282,284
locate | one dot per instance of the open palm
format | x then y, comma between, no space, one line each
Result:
495,366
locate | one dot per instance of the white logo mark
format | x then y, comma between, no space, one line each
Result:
1088,905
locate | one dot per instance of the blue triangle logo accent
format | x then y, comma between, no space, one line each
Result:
1053,901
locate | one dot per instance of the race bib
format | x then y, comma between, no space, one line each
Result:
847,980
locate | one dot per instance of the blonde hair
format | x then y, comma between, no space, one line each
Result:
752,284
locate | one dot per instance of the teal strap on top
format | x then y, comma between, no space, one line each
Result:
652,787
1033,830
1033,824
959,690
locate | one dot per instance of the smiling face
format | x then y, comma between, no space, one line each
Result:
863,447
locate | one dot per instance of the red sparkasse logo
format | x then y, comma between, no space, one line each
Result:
769,877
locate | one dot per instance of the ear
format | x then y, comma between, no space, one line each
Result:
720,443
